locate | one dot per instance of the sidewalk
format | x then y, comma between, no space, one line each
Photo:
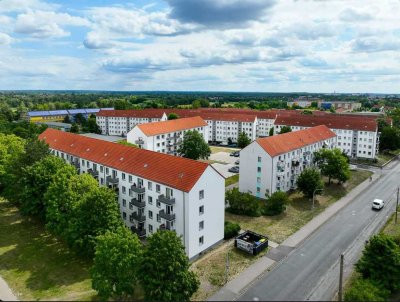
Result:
5,292
233,288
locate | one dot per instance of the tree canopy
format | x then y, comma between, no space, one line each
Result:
243,140
332,164
173,116
194,146
309,181
276,203
389,139
285,129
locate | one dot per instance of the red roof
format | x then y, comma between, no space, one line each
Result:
283,143
151,129
173,171
142,113
331,121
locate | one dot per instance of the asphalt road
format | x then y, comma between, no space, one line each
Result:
311,272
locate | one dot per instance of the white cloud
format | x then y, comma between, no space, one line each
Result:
25,5
5,39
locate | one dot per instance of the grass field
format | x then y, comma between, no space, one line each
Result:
36,265
231,180
215,149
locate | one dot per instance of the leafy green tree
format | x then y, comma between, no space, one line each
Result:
380,262
204,103
196,104
92,126
285,129
366,290
67,119
332,164
115,270
271,131
11,146
231,230
172,116
165,274
314,104
242,203
35,182
276,203
243,140
74,128
309,181
194,146
389,139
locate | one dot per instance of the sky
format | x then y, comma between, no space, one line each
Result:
342,46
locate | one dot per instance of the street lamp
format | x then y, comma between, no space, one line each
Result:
313,197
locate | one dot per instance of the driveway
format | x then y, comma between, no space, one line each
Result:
225,158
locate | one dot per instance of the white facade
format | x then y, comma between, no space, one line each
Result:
261,173
354,143
222,130
264,126
146,205
167,143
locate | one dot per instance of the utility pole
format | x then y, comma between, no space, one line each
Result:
341,278
397,205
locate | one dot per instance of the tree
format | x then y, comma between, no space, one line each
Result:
11,147
243,140
67,119
196,104
231,230
380,262
92,126
389,139
309,181
332,164
366,290
172,116
276,203
116,263
242,203
285,129
314,104
271,131
74,128
194,146
165,274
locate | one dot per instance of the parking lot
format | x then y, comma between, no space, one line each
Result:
225,158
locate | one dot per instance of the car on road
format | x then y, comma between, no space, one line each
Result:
377,204
235,154
234,169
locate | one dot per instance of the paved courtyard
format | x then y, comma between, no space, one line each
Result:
225,158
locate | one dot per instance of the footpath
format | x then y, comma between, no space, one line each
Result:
6,293
277,253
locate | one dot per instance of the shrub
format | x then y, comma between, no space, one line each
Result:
366,290
242,203
231,230
276,204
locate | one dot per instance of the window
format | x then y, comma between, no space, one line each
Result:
101,169
201,210
124,215
258,179
123,176
158,188
130,206
107,171
150,185
150,199
158,218
258,169
259,159
201,225
158,204
201,194
130,178
123,190
150,228
201,240
123,202
150,214
258,189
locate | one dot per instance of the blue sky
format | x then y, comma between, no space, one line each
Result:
218,45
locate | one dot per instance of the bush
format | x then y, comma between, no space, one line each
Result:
231,230
242,203
366,290
276,204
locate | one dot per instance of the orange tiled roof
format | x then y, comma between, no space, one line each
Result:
142,113
173,171
151,129
336,121
283,143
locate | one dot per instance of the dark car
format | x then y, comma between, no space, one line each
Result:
232,154
234,169
237,162
236,154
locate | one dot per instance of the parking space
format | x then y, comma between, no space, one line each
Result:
226,158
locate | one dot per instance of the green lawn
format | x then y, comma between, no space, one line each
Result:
35,264
231,180
215,149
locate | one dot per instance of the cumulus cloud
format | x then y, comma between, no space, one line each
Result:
373,44
219,13
25,5
5,39
351,15
44,24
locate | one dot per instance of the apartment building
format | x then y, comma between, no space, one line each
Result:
356,136
166,136
350,106
120,122
155,190
59,115
273,163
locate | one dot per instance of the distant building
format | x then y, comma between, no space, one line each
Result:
59,115
349,106
273,163
166,136
303,102
57,125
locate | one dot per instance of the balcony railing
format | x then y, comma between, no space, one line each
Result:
166,227
166,200
112,180
138,189
166,216
94,173
138,217
137,203
139,232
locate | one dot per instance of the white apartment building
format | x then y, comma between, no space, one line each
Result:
120,122
356,136
166,136
155,190
273,163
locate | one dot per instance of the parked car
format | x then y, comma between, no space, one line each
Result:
236,154
234,169
237,162
377,204
232,154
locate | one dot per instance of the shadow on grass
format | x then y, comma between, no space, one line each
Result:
28,250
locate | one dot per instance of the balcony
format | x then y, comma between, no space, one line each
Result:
166,216
166,200
139,141
111,181
76,164
139,232
138,189
94,173
137,203
166,227
138,217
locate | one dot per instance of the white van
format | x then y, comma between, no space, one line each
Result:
378,204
